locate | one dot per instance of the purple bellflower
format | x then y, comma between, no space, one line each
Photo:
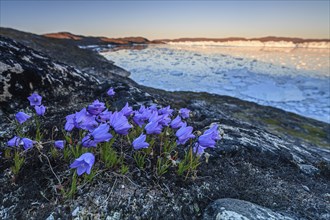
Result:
198,149
27,143
141,116
165,110
140,143
84,163
184,134
164,120
59,144
104,116
120,123
209,138
100,134
176,123
85,120
153,107
153,127
155,117
96,107
21,117
35,99
70,122
40,110
127,110
15,141
111,92
184,112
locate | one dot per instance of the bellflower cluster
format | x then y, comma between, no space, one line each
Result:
166,128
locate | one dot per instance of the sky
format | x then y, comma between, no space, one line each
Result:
170,19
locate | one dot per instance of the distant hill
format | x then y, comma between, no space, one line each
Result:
88,40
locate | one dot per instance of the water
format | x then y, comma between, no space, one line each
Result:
293,79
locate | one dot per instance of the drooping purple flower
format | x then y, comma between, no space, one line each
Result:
40,110
120,123
15,141
164,120
111,92
70,123
165,110
96,107
206,140
84,163
209,138
35,99
214,131
127,110
141,116
27,143
59,144
140,143
153,107
85,120
184,134
155,117
104,116
176,123
21,117
184,112
100,134
153,127
198,149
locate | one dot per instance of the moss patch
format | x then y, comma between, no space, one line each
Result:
306,132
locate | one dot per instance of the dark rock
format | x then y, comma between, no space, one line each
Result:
308,169
24,71
234,209
66,52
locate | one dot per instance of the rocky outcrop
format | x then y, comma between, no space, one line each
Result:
24,71
230,209
66,51
278,166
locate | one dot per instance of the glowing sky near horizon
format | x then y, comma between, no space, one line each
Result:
170,19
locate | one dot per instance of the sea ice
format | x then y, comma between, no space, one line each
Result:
293,79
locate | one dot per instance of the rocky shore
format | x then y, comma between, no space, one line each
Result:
270,164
